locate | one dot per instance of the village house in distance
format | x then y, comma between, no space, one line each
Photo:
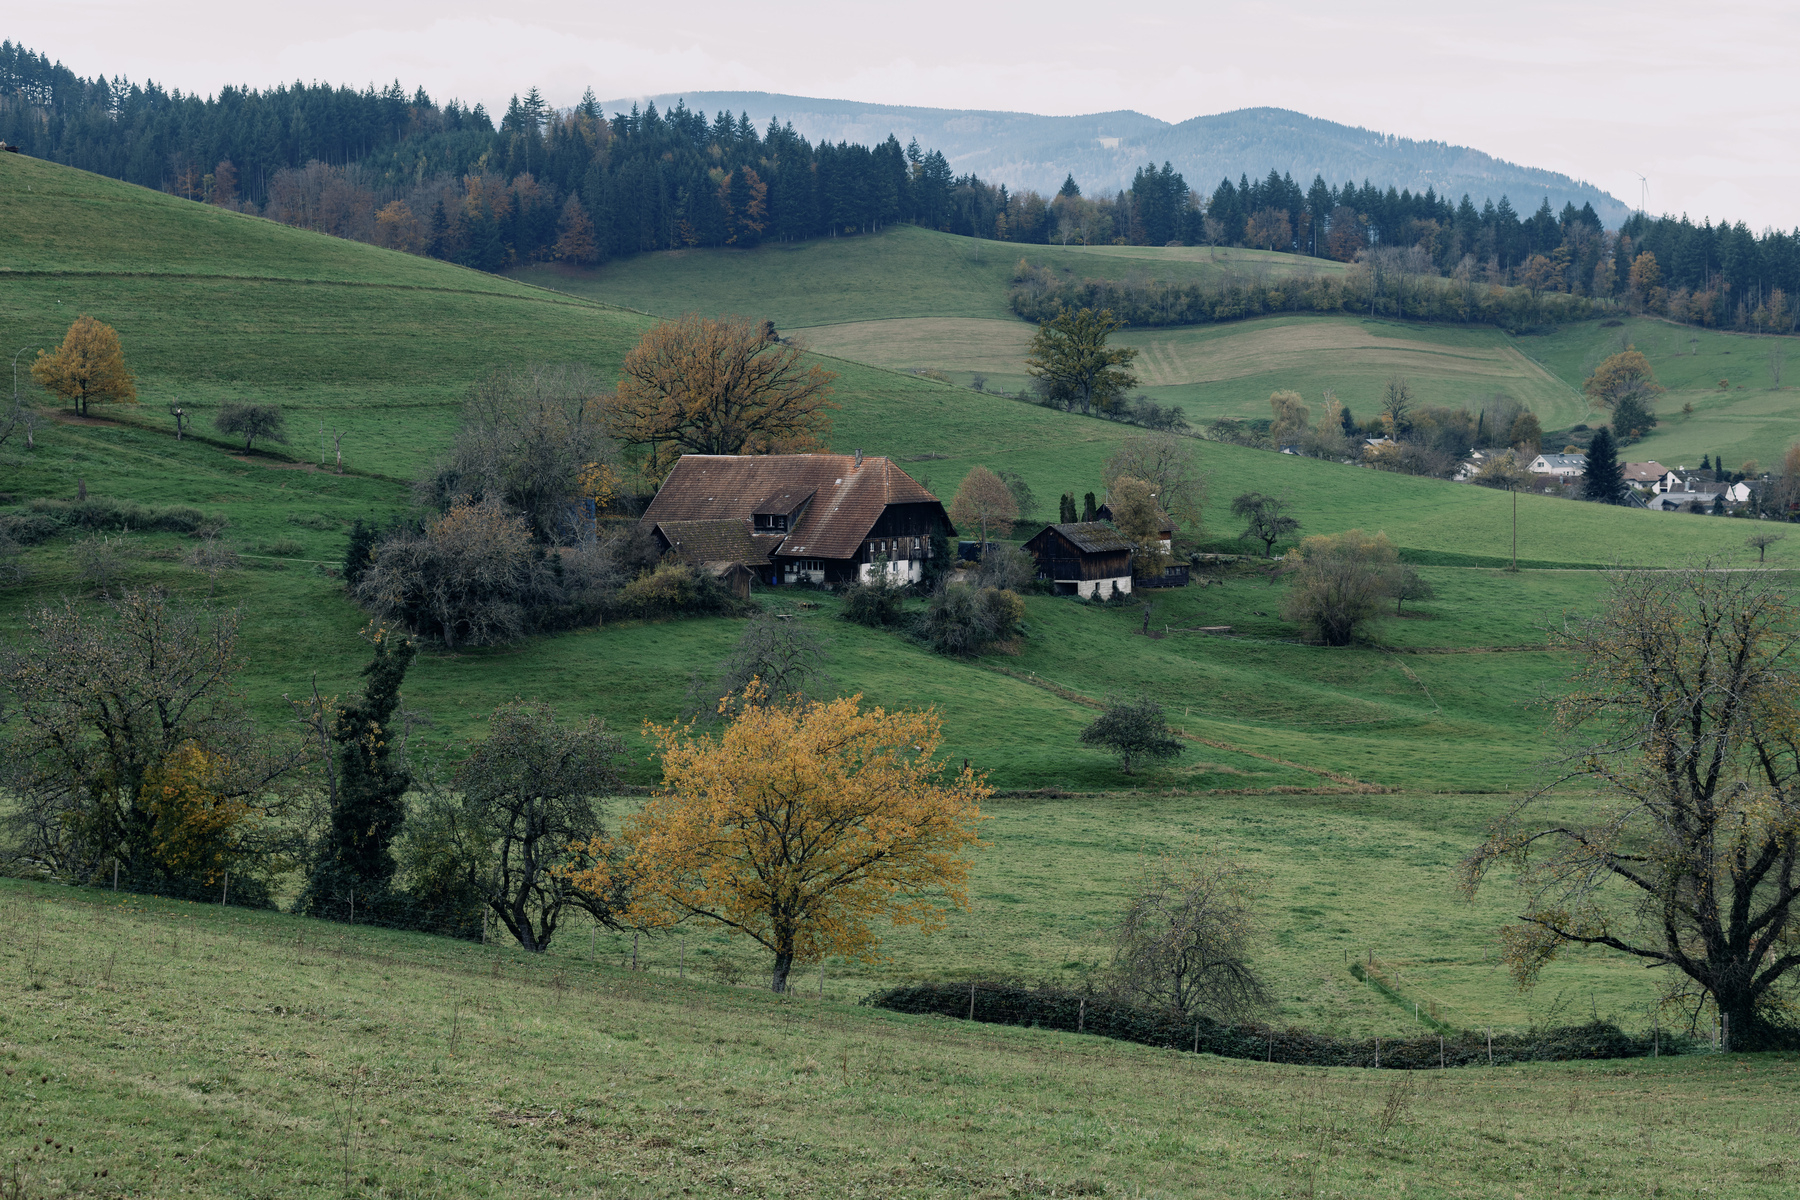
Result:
793,518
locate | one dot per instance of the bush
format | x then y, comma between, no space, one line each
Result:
1339,583
962,621
28,529
1106,1016
876,601
675,589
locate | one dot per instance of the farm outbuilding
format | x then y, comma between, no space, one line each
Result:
1083,558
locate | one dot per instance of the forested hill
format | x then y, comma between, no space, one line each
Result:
1104,150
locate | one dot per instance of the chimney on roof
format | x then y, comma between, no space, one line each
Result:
859,458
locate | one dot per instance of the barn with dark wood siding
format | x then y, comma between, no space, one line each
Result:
1083,558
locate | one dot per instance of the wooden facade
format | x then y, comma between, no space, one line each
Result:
1083,558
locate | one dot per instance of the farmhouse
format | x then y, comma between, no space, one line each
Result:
1083,558
1644,474
1561,466
792,518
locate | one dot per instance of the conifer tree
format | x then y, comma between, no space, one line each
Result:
1067,513
1089,510
1605,480
368,808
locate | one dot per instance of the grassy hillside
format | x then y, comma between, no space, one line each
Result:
154,1048
211,306
903,271
915,299
1289,742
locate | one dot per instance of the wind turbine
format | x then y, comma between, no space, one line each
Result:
1643,195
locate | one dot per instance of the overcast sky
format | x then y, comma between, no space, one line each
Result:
1698,98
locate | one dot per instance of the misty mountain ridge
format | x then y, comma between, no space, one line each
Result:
1104,150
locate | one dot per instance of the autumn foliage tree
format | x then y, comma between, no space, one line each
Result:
88,368
800,826
704,385
983,500
1625,385
575,238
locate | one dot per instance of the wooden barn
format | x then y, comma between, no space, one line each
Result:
792,518
1082,558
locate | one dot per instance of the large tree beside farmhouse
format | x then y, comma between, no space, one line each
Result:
704,385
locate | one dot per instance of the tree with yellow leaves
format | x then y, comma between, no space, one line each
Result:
197,824
799,826
89,366
702,385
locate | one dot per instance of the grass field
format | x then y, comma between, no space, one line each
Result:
903,271
1353,779
913,299
184,1049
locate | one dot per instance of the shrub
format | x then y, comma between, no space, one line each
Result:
874,602
1339,583
99,512
963,621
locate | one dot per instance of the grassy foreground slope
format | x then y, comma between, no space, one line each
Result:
188,1049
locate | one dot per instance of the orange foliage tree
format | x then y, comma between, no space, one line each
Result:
198,827
986,501
576,240
724,386
799,826
89,366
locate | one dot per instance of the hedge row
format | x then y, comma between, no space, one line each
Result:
47,518
1051,1008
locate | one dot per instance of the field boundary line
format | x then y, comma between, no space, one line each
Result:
550,295
1070,694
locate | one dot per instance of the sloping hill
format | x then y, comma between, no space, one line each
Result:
1026,150
213,305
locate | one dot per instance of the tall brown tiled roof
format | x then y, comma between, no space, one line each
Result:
847,498
729,540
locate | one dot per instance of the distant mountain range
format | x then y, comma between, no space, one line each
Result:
1024,150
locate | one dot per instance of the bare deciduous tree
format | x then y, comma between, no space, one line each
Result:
529,789
1185,941
533,438
786,659
1170,465
97,703
1682,850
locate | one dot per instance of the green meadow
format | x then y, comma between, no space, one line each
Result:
234,1053
155,1048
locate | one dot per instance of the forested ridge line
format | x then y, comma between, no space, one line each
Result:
405,172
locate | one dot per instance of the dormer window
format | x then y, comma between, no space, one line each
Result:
776,522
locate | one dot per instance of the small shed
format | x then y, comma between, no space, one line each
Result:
1082,558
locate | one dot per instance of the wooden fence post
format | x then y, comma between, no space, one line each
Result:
971,1002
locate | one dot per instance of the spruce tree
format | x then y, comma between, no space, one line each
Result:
1067,513
1705,462
1089,510
1347,421
1605,480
